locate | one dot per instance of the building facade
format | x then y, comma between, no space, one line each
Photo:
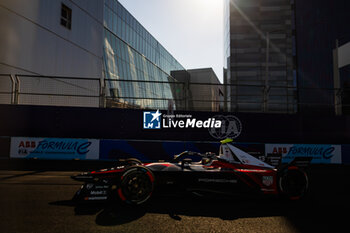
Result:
323,56
259,50
100,40
302,45
203,90
136,65
34,41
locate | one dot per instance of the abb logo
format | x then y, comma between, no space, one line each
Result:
280,150
27,144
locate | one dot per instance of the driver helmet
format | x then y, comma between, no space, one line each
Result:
206,160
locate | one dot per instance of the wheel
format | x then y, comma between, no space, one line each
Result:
293,183
136,185
129,162
133,161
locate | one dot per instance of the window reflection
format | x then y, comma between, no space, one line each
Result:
131,53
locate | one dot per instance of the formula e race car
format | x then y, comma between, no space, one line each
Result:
233,171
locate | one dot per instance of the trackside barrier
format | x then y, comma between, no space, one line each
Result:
146,150
4,147
159,94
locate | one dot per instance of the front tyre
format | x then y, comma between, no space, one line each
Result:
293,183
136,185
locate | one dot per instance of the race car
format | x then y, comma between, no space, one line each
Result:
232,171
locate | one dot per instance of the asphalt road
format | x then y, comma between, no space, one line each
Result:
34,201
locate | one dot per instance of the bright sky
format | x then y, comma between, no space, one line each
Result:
191,30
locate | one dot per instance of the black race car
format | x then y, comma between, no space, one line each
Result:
233,171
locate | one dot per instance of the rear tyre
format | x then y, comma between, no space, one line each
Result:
136,185
129,162
293,183
133,161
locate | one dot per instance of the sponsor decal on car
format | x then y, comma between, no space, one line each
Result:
95,192
95,198
89,186
267,180
208,180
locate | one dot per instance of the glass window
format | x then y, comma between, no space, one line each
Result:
116,66
144,35
119,9
141,75
108,37
121,52
114,3
127,17
105,17
133,38
139,28
130,92
134,22
66,16
114,19
122,87
123,13
138,43
110,19
126,71
113,42
123,30
117,45
119,28
120,69
127,32
128,55
104,36
129,37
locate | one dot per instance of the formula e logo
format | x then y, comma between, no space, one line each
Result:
151,120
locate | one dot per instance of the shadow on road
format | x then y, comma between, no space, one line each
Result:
324,210
21,175
311,215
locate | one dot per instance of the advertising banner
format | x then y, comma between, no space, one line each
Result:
151,150
54,148
321,153
345,151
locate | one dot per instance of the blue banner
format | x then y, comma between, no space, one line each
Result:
54,148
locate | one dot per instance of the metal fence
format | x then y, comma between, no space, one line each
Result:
50,90
141,94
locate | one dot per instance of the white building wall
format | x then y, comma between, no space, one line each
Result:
344,55
33,41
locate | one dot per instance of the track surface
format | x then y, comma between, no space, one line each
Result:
34,201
